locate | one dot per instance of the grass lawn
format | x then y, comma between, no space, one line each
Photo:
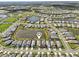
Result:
3,27
73,46
11,19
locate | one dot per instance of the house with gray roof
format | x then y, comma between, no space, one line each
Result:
43,43
7,38
69,35
3,16
53,35
48,44
73,41
19,43
30,54
58,44
8,42
24,43
38,42
33,43
14,43
29,42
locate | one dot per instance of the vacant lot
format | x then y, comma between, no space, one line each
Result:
30,34
74,46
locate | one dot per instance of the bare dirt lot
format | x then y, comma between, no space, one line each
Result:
29,33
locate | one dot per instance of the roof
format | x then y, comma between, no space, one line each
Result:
14,43
3,16
8,38
8,42
24,43
33,19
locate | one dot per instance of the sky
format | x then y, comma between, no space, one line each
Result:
36,0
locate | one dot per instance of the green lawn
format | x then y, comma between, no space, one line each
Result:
73,46
3,27
11,19
77,37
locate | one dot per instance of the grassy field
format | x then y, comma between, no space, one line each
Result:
3,27
10,19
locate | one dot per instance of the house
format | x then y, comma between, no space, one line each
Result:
26,26
5,34
13,29
48,44
42,25
24,43
3,16
26,54
8,42
54,35
38,42
14,43
29,25
19,43
73,41
7,38
42,19
30,54
58,44
43,43
38,26
12,55
68,35
28,43
35,26
33,43
62,30
52,43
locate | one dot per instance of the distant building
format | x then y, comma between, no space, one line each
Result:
8,42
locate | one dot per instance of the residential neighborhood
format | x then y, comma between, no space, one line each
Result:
42,29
